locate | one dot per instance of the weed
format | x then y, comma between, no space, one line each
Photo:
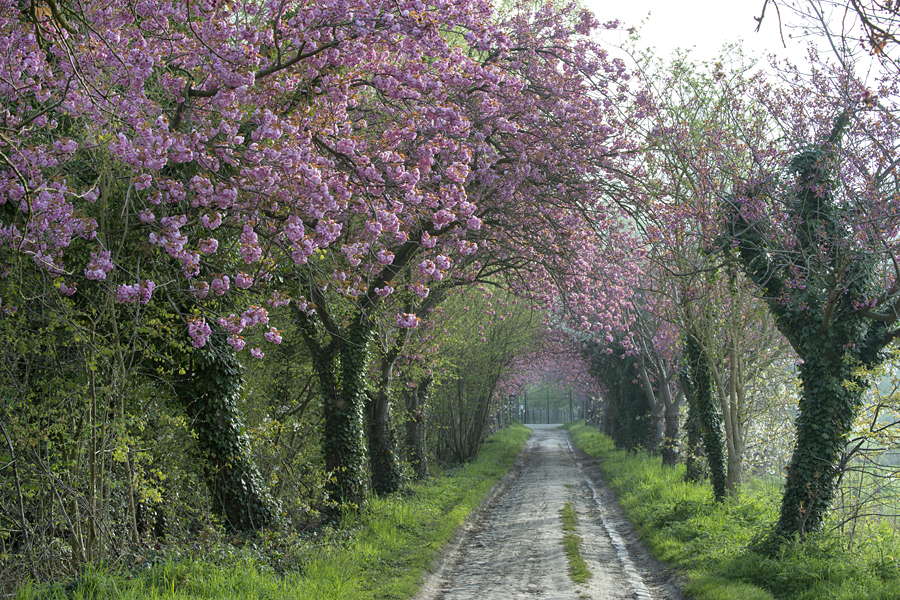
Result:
571,542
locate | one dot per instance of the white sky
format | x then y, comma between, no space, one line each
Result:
704,25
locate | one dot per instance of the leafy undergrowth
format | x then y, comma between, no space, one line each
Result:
718,547
380,554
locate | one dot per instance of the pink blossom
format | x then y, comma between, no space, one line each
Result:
221,285
279,299
257,353
208,245
407,320
67,289
384,292
243,280
419,290
100,265
200,288
211,223
250,250
254,315
273,335
236,342
442,218
199,330
137,292
442,262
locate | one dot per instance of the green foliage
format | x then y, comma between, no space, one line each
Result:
380,553
463,398
627,413
720,546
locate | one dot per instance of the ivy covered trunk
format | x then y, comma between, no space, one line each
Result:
839,320
384,453
829,401
344,441
415,429
692,469
700,395
209,396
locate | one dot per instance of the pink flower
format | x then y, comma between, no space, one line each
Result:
220,286
199,330
236,342
254,315
200,289
209,245
384,292
442,218
419,290
100,265
66,289
250,250
442,262
279,299
407,320
257,353
273,335
233,323
243,281
211,223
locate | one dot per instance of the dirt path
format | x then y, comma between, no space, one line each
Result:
511,548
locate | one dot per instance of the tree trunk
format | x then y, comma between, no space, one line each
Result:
209,396
828,406
734,422
657,408
670,442
383,453
701,392
692,471
415,429
344,433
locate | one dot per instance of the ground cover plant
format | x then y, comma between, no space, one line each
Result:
380,553
719,547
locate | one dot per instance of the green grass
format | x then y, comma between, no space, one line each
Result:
717,546
571,542
377,555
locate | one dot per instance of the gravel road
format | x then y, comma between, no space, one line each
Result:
511,548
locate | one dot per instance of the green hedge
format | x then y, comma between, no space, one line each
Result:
382,553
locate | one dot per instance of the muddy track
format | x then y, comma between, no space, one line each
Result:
511,547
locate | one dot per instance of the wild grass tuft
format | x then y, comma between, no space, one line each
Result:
571,542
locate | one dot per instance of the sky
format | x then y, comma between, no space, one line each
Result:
704,25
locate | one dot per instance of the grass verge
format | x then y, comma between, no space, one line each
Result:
377,555
714,546
571,542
